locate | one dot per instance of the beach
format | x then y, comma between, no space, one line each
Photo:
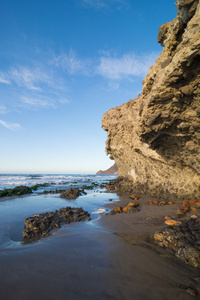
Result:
109,257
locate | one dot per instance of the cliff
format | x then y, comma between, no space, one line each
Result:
155,138
111,171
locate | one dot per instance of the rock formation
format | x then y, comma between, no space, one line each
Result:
41,224
155,138
183,239
111,171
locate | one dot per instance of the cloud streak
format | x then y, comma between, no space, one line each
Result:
35,88
72,63
127,66
10,126
109,67
3,79
28,78
3,109
102,4
37,102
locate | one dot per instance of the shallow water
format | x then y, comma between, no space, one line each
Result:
14,210
84,260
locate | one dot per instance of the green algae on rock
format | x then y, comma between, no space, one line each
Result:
17,191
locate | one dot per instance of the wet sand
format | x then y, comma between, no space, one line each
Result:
109,258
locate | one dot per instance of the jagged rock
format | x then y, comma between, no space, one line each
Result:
183,239
41,224
71,193
155,138
17,191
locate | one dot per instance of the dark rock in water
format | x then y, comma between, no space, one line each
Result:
71,193
41,224
17,191
183,239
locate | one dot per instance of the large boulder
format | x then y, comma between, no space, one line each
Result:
155,138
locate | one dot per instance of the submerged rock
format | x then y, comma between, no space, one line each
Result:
41,224
183,239
155,138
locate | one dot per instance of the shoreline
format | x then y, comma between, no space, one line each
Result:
111,257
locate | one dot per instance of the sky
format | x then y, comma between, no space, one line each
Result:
63,64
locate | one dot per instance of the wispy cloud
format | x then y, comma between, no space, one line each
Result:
64,101
3,109
30,78
126,66
3,79
108,66
37,102
72,63
10,126
102,4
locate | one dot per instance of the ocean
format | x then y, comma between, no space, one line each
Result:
14,210
12,180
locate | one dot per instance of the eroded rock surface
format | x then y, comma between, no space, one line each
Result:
183,239
41,224
71,193
155,138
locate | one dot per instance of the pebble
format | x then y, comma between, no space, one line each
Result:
154,202
172,222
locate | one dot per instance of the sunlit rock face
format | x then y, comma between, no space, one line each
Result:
155,138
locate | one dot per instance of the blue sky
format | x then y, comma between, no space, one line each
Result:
63,64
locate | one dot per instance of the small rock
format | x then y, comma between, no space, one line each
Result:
163,203
171,202
133,204
132,209
167,218
194,208
194,217
134,197
154,202
191,291
186,204
197,203
125,209
192,202
172,222
118,209
184,209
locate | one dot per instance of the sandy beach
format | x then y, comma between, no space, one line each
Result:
112,257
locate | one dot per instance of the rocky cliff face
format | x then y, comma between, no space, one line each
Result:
155,138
